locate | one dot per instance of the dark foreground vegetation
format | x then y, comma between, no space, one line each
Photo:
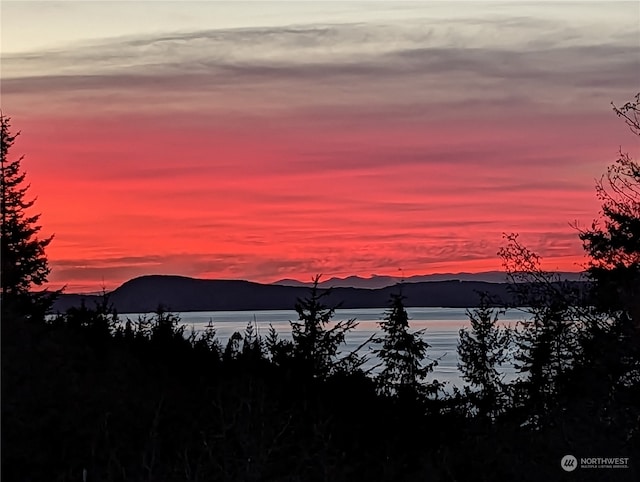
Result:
86,396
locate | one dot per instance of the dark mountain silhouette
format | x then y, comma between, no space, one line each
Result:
178,293
376,281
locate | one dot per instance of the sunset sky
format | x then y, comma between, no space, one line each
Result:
262,140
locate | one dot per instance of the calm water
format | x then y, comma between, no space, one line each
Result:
442,326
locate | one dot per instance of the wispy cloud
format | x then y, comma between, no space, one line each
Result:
398,59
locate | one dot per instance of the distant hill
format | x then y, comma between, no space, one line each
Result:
376,281
178,293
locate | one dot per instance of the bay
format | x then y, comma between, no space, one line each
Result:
441,325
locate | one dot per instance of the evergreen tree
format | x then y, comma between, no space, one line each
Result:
547,350
207,341
402,353
613,241
166,329
252,346
24,264
610,361
315,345
482,350
101,320
547,338
278,350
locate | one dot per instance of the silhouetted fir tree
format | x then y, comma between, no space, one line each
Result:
547,337
483,349
23,259
99,324
315,344
143,327
278,350
101,319
547,349
252,349
207,341
613,241
166,328
272,340
610,361
402,354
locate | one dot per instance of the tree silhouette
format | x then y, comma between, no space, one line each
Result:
613,241
611,346
315,344
482,350
401,353
546,337
252,344
24,264
207,341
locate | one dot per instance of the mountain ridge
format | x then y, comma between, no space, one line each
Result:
381,281
181,294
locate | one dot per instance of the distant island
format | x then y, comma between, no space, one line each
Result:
377,281
179,293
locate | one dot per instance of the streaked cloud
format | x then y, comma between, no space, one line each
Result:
339,146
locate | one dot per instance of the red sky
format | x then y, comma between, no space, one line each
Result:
338,148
